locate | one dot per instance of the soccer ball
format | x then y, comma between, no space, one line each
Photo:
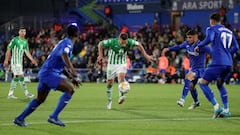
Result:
124,87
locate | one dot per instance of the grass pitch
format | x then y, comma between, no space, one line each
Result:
150,109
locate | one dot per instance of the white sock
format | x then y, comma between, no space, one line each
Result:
216,106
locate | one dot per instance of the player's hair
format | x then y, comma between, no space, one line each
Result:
72,31
21,27
216,17
123,36
191,32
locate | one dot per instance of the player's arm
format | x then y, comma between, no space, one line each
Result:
235,45
100,52
173,48
75,80
7,57
28,54
209,37
142,50
68,64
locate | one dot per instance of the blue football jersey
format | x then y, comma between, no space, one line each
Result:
223,44
196,60
54,62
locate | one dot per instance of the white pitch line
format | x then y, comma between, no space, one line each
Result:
124,120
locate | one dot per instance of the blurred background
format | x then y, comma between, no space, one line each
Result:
155,23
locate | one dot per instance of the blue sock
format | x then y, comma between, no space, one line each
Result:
208,93
224,95
194,94
63,101
185,88
32,106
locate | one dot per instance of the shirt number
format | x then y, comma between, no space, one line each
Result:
226,39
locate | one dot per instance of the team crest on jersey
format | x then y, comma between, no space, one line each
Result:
121,51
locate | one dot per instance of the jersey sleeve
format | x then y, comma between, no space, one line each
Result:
107,42
132,42
11,44
178,47
26,48
209,37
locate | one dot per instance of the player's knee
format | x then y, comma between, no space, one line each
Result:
219,83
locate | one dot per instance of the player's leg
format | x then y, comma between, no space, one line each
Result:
185,89
111,74
194,94
13,86
68,91
43,91
223,92
24,86
121,78
210,74
109,93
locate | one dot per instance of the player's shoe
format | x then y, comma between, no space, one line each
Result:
109,105
180,102
56,121
11,96
194,105
216,113
225,114
20,123
121,99
29,95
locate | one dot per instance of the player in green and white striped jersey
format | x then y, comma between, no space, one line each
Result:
117,57
17,47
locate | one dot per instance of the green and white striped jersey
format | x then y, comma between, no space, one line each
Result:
116,53
18,47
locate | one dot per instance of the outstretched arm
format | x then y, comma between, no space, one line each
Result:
30,57
142,50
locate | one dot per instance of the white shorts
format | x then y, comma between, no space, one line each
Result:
17,69
114,70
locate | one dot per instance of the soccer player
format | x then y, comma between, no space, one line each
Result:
117,66
17,47
223,45
50,77
197,66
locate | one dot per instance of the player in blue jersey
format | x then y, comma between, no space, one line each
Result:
197,66
223,45
50,77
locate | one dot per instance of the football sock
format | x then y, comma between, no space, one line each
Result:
194,94
109,92
185,89
32,106
13,85
23,85
63,101
224,95
208,94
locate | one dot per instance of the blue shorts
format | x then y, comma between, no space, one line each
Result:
162,71
198,74
217,72
49,81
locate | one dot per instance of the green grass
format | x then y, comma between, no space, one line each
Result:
150,109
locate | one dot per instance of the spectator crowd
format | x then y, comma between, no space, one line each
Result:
154,38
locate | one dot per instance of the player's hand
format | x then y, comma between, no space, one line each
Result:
149,58
164,51
76,82
196,49
34,62
100,59
5,63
